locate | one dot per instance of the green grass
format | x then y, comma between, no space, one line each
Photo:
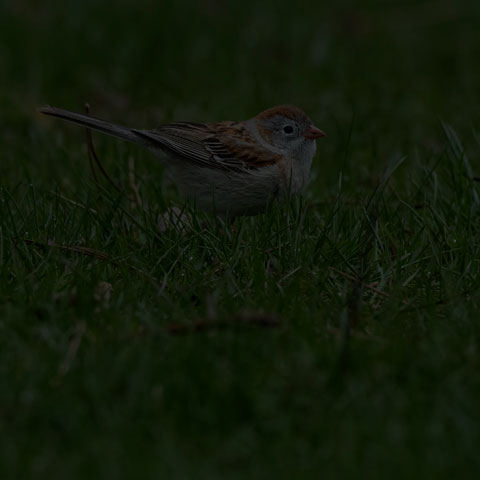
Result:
336,336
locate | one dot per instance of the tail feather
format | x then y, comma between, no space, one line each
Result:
96,124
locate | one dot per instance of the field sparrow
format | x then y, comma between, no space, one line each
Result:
236,168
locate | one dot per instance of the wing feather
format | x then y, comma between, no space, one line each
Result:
224,145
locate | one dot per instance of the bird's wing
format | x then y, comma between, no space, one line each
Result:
223,145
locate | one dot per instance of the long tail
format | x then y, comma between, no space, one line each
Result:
97,124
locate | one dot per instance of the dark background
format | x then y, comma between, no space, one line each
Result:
395,69
97,387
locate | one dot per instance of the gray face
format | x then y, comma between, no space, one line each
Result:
288,134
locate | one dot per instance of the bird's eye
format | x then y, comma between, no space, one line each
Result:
288,129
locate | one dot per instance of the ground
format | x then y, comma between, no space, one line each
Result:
335,336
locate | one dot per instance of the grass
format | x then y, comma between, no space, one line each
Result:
336,335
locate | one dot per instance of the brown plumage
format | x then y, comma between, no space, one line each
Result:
233,167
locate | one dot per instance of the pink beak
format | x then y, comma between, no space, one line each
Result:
313,133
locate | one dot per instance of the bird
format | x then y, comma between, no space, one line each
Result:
231,168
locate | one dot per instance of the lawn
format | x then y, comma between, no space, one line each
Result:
335,336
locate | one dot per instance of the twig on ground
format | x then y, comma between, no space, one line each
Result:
93,158
134,195
88,133
97,254
353,279
243,319
90,252
369,286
